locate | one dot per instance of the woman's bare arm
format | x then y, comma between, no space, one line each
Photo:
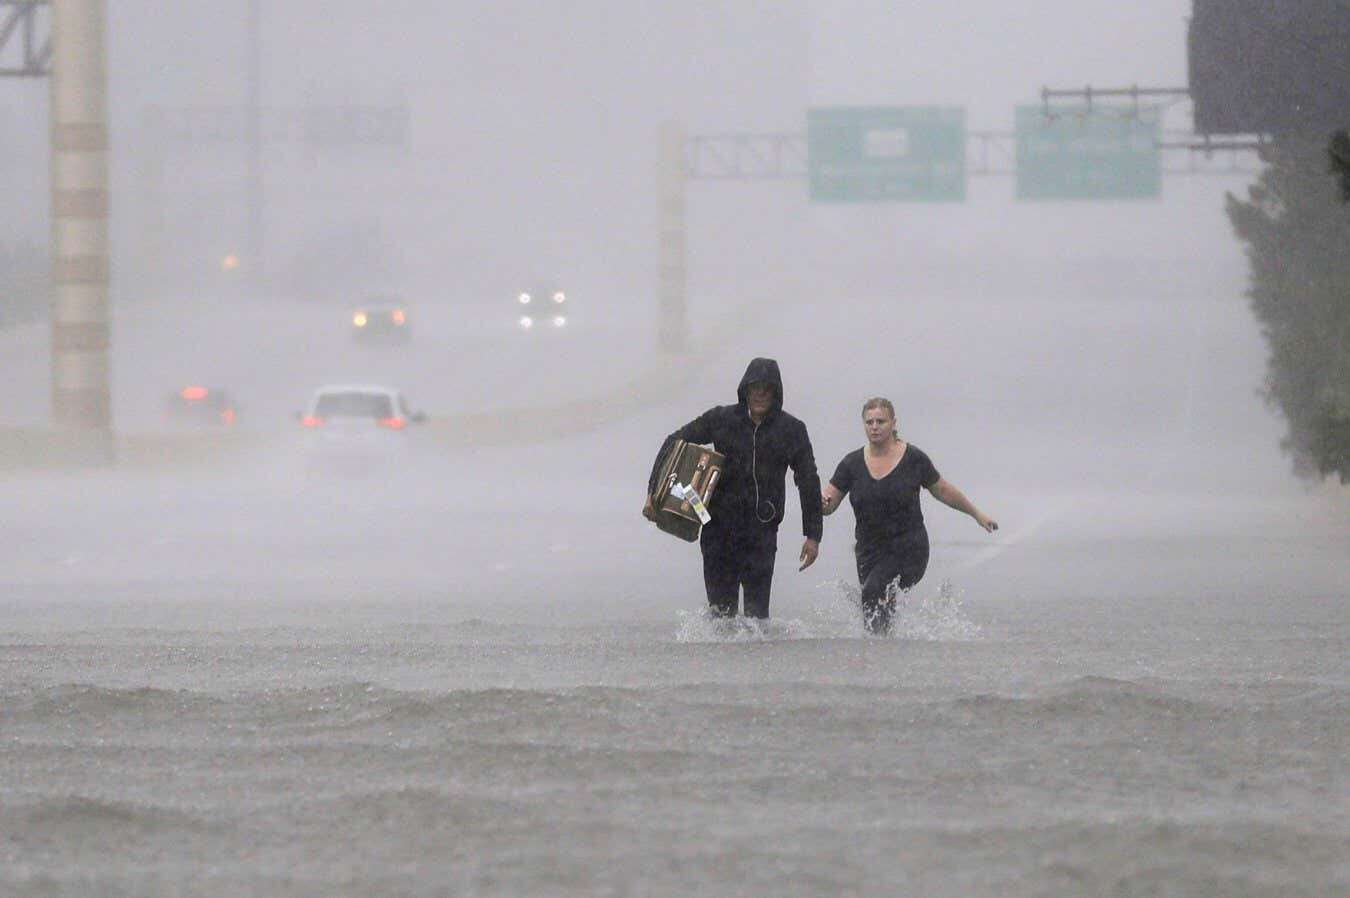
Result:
948,494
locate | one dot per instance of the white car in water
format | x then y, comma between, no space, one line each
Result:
357,428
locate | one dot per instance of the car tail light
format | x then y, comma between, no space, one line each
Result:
399,317
227,416
311,421
193,394
394,423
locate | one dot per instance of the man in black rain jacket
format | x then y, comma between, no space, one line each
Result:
760,441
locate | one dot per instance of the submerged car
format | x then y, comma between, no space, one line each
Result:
543,308
358,426
381,322
200,406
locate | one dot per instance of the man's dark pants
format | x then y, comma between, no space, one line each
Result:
736,557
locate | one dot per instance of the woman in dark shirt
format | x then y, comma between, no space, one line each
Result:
882,481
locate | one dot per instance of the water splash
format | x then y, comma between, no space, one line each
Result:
703,626
928,616
920,614
933,616
839,616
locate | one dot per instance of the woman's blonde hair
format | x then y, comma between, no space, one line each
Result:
882,402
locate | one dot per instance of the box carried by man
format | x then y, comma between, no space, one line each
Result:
686,479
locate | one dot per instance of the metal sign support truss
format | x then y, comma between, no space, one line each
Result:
780,157
1180,141
746,157
19,26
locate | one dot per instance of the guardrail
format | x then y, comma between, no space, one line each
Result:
32,449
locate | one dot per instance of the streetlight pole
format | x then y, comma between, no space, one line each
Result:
255,264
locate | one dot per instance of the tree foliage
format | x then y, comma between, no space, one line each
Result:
1296,228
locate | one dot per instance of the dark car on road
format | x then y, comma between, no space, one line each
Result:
542,309
384,321
200,406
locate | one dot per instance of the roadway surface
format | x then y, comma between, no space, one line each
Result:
1114,429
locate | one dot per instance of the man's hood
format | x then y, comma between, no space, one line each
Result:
762,370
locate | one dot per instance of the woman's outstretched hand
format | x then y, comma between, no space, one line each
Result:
988,523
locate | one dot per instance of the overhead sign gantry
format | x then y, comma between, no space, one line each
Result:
25,41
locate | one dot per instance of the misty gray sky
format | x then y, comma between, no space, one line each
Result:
531,142
1062,333
989,56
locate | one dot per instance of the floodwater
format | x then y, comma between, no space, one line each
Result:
253,740
486,675
280,700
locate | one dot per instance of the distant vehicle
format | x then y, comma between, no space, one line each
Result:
542,309
357,426
200,406
382,321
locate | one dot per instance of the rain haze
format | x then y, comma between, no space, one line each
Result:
258,655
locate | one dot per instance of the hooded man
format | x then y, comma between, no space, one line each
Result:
760,441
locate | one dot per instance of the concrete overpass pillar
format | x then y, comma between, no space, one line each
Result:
81,398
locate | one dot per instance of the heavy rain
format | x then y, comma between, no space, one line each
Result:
344,586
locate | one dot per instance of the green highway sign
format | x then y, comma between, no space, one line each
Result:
882,154
1082,153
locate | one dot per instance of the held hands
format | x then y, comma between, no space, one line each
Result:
829,500
810,549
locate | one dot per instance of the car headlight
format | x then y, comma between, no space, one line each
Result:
524,299
359,319
559,320
560,297
526,322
